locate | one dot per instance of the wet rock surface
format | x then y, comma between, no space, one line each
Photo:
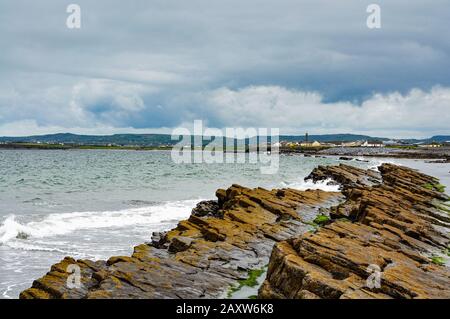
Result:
201,257
208,208
382,241
345,175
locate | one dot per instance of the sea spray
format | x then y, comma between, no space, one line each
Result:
61,224
327,185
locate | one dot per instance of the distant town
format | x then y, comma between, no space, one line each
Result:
286,143
307,143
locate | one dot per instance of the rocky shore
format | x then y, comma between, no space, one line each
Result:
203,256
385,241
435,155
441,153
393,223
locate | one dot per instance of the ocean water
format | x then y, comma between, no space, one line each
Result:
99,203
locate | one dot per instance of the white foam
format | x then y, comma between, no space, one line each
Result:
65,223
31,247
375,163
305,185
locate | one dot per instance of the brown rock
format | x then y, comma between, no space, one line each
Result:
345,175
207,208
180,243
396,228
202,256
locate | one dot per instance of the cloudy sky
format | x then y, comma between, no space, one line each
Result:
149,66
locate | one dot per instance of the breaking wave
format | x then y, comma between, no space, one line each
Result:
65,223
304,185
375,163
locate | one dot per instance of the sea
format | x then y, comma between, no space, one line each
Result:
100,203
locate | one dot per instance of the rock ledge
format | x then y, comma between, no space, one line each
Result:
379,244
220,242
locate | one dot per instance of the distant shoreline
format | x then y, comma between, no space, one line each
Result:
347,153
36,146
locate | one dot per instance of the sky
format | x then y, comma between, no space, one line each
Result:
150,66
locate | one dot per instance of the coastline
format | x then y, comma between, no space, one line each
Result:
219,246
441,153
36,146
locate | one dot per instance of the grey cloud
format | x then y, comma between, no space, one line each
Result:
160,61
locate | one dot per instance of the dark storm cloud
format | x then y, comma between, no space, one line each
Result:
152,64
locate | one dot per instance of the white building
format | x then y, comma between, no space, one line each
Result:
372,143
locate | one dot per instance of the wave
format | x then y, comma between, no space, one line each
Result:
32,247
65,223
305,185
376,163
138,202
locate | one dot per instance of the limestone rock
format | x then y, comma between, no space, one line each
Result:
202,256
180,243
207,208
345,175
378,246
159,240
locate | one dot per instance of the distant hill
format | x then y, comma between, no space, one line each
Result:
436,138
165,139
117,139
331,138
439,138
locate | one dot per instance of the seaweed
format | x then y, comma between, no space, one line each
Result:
438,260
435,187
321,220
250,281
